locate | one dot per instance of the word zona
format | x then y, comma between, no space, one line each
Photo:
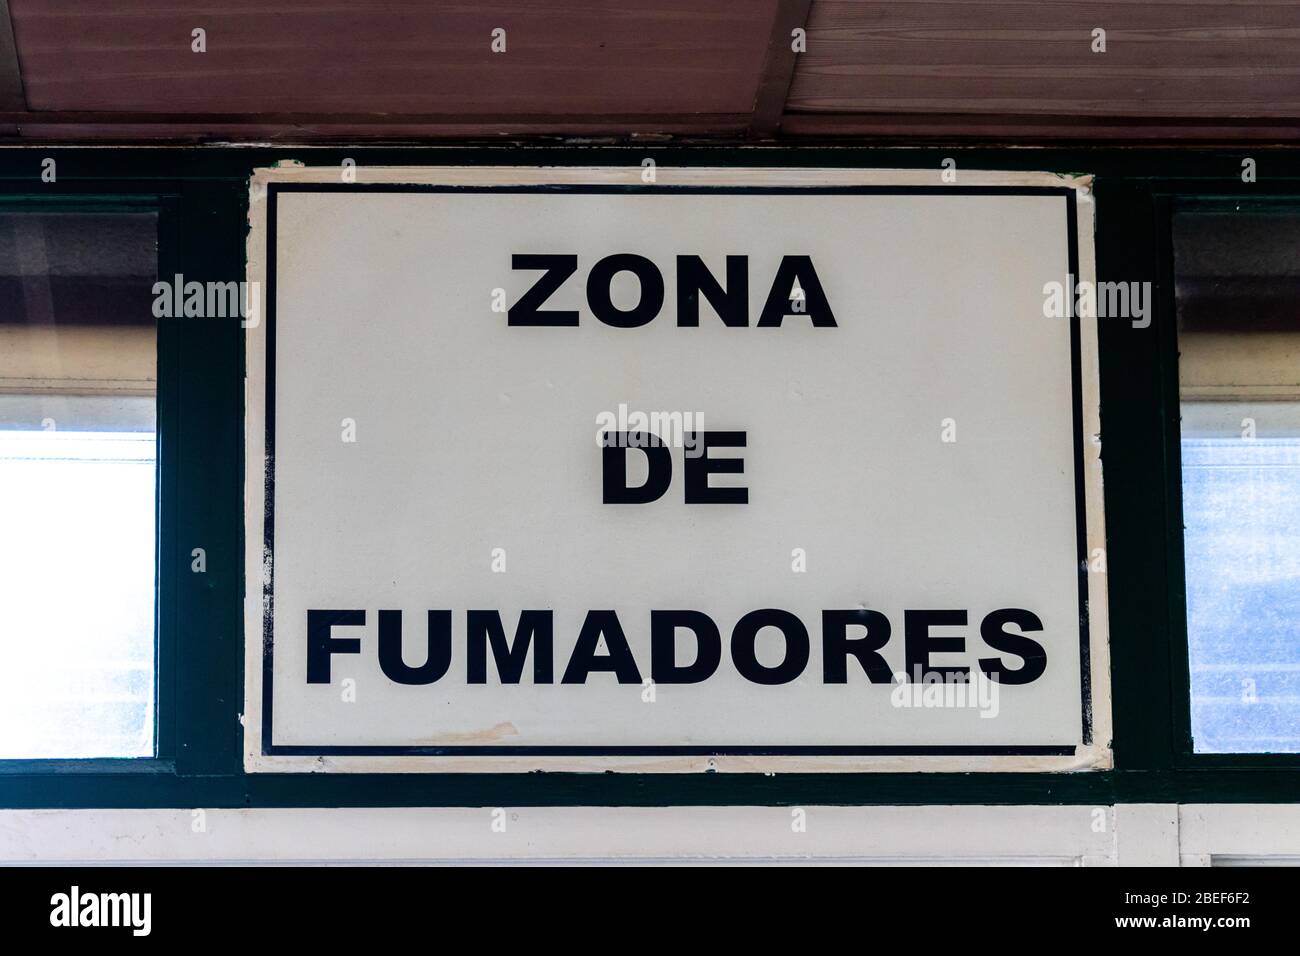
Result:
693,280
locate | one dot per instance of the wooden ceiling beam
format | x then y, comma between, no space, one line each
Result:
1015,127
778,68
12,96
67,126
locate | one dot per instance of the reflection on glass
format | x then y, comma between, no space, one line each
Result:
78,380
77,585
1237,289
1241,512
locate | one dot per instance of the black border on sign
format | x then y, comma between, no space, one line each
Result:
1081,537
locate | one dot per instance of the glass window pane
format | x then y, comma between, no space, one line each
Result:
1241,539
77,485
79,615
1238,297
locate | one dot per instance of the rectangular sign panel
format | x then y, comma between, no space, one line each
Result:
752,470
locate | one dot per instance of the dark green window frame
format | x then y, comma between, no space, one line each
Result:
201,195
1168,203
17,198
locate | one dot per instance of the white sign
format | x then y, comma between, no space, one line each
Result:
736,470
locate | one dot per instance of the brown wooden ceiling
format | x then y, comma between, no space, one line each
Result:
299,70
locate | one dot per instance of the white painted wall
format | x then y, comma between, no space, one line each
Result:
1128,834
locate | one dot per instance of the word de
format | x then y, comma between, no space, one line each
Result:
698,467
